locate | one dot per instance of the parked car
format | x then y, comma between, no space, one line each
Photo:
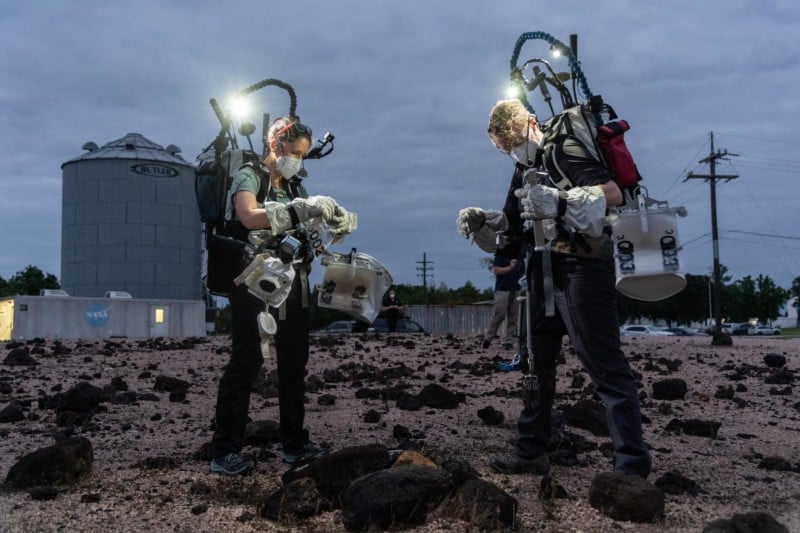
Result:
404,325
644,329
740,329
340,326
682,331
764,330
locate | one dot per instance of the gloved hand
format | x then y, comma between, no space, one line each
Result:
538,201
584,208
325,203
280,218
473,219
343,222
483,225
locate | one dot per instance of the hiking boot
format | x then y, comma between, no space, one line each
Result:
511,464
232,464
485,344
308,452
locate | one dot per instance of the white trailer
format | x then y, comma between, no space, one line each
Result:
69,317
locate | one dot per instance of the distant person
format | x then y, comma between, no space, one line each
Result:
507,267
580,285
284,205
391,309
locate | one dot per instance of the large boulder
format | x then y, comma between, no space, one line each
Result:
484,505
628,498
62,463
333,473
397,497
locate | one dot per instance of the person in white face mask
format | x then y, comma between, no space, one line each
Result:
271,196
578,284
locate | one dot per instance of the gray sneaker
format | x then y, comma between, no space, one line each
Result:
232,464
511,464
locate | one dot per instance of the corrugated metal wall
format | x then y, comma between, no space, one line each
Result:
455,319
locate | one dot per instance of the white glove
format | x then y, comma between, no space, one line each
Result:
326,204
538,201
585,206
483,225
343,222
473,219
280,219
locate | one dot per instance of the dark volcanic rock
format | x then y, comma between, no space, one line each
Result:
296,500
629,498
409,402
20,357
676,483
438,397
550,489
698,428
326,399
397,497
756,522
372,417
332,473
82,398
670,389
775,462
491,416
774,360
62,463
170,384
12,413
483,505
701,428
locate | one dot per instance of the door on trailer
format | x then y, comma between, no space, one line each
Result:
159,321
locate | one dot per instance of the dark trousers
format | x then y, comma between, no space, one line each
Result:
586,310
233,397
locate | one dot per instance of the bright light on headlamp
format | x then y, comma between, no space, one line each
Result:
240,108
513,91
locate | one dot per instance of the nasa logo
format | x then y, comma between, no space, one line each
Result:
96,314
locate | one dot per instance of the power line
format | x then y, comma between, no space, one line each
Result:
763,234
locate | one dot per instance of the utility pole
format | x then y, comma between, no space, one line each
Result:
424,269
712,178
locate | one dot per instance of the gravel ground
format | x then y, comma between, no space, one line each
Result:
146,474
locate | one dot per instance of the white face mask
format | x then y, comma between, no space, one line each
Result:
288,165
525,153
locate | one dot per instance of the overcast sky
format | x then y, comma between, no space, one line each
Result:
406,88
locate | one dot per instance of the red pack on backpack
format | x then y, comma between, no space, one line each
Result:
611,139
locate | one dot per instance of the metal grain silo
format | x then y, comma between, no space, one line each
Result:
130,222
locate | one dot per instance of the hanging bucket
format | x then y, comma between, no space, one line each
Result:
355,284
646,254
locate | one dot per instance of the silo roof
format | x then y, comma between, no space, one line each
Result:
132,146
